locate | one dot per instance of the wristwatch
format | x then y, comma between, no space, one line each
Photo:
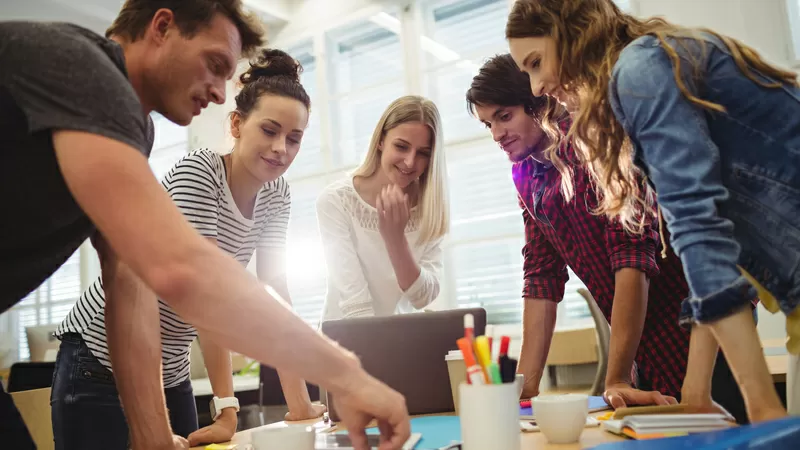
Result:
218,404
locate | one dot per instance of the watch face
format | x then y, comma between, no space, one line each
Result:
212,409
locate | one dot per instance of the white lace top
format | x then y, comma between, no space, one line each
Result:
361,279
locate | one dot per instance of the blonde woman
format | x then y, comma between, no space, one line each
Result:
383,224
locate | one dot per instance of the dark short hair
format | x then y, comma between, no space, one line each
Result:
271,72
190,17
500,82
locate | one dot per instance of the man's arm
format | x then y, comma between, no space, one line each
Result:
134,342
538,324
545,275
115,187
628,316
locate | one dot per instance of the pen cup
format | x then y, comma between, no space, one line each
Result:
458,373
489,416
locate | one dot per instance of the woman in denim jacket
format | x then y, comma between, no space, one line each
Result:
716,130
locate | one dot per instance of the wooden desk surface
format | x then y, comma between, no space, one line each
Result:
530,441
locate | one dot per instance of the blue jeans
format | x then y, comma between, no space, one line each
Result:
86,410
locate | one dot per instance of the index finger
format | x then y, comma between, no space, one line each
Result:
398,430
659,399
358,437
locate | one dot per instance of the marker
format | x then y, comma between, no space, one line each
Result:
469,327
505,341
525,403
505,366
483,355
489,334
474,372
494,372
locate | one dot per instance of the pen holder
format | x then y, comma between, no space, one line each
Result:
489,416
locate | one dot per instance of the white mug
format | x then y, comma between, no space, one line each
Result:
293,437
561,418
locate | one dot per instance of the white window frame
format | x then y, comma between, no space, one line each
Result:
793,15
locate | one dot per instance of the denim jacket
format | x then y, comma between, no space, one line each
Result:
728,183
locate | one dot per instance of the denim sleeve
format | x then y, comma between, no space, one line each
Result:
684,164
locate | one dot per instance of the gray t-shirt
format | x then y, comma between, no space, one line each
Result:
53,76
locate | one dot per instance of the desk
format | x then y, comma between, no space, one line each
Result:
778,364
530,441
241,383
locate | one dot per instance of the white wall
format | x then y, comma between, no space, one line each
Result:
762,24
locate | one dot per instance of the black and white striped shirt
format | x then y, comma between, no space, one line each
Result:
197,185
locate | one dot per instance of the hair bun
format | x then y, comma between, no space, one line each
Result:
272,63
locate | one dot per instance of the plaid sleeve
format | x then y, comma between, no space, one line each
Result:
545,272
636,251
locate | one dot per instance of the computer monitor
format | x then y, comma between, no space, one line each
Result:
40,340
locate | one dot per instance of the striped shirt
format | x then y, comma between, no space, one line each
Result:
197,185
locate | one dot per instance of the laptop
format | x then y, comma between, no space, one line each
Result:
407,353
42,343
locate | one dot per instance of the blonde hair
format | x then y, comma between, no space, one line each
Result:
590,35
433,199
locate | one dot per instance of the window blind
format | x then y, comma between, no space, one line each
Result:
305,263
366,63
309,159
459,36
49,303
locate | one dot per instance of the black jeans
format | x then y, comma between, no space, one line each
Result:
85,405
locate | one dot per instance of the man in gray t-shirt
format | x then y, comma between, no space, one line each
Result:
74,131
54,76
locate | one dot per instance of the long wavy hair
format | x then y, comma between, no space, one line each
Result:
433,199
589,37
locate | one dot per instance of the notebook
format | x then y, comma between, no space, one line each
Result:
596,403
656,426
781,434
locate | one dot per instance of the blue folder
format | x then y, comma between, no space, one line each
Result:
783,434
437,431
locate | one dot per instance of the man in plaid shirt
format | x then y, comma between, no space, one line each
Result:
638,292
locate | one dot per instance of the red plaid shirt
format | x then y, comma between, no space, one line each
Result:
561,234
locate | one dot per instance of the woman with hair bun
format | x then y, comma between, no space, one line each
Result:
241,202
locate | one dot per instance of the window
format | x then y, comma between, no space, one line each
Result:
305,263
169,145
310,159
793,8
458,37
625,5
367,73
49,303
434,48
